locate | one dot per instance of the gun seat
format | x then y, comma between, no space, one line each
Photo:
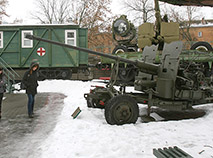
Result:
145,35
170,31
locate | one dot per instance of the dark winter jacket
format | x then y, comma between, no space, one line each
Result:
3,81
31,80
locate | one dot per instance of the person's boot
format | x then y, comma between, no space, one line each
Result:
31,116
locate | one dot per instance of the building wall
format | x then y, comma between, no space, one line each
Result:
201,33
102,42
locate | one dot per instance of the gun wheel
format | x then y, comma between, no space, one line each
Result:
121,109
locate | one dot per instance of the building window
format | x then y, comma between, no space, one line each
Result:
1,39
200,34
70,37
27,43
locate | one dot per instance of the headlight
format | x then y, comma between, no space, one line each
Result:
121,27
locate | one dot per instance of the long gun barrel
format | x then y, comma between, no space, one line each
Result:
144,67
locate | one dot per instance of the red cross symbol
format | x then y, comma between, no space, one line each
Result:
41,51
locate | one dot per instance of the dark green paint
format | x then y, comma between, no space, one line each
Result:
56,56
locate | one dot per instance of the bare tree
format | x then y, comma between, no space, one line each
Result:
3,4
17,21
91,13
187,25
140,9
174,15
94,15
50,11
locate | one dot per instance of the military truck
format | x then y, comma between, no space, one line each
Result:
168,78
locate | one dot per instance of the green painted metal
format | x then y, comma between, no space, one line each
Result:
129,32
56,56
66,51
126,55
186,55
171,152
8,42
50,48
20,52
33,49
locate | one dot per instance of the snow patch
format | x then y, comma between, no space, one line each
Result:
89,136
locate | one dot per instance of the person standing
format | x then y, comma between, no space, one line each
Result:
30,81
3,81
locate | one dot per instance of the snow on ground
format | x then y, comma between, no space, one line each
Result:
89,136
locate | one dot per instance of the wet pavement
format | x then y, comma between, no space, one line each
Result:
20,135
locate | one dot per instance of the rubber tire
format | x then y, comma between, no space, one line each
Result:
114,102
122,48
203,44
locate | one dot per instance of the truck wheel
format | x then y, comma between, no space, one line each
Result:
121,109
202,46
119,49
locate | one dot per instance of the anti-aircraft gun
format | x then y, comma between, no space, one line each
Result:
168,78
173,83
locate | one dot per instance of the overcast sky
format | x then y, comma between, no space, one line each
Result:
21,9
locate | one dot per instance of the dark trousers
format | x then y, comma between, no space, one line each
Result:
30,105
1,96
